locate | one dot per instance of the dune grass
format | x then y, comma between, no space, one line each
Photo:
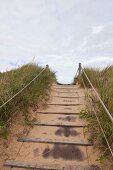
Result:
102,80
35,94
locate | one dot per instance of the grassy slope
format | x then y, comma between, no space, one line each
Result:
13,81
103,82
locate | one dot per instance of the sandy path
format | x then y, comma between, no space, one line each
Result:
53,128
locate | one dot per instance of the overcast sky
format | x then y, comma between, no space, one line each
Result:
60,33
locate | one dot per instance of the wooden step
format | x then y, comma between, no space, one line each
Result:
67,97
64,113
62,104
60,108
59,120
22,164
66,92
71,88
53,141
63,133
58,124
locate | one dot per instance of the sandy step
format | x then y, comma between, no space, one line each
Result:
67,91
55,108
76,97
68,94
61,119
65,104
66,86
67,101
74,94
58,133
43,153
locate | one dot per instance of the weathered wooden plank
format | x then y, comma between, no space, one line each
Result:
64,113
53,141
67,97
58,125
68,88
62,104
22,164
65,92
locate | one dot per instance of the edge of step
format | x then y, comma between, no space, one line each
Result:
22,164
58,125
64,113
53,141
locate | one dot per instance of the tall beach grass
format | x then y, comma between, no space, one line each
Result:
36,93
102,80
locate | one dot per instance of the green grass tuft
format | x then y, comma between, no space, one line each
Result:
102,80
35,94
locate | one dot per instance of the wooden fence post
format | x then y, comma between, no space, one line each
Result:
47,67
79,69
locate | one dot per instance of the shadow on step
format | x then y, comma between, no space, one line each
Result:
66,152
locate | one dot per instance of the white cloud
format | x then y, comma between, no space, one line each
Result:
97,29
99,62
60,33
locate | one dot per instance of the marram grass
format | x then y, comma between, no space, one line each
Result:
102,80
13,81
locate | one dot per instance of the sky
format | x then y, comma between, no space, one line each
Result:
60,33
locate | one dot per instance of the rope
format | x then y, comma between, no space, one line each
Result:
107,111
97,118
23,88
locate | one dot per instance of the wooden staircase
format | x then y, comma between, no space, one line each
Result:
57,139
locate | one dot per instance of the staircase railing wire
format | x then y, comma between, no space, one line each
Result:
102,103
97,118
